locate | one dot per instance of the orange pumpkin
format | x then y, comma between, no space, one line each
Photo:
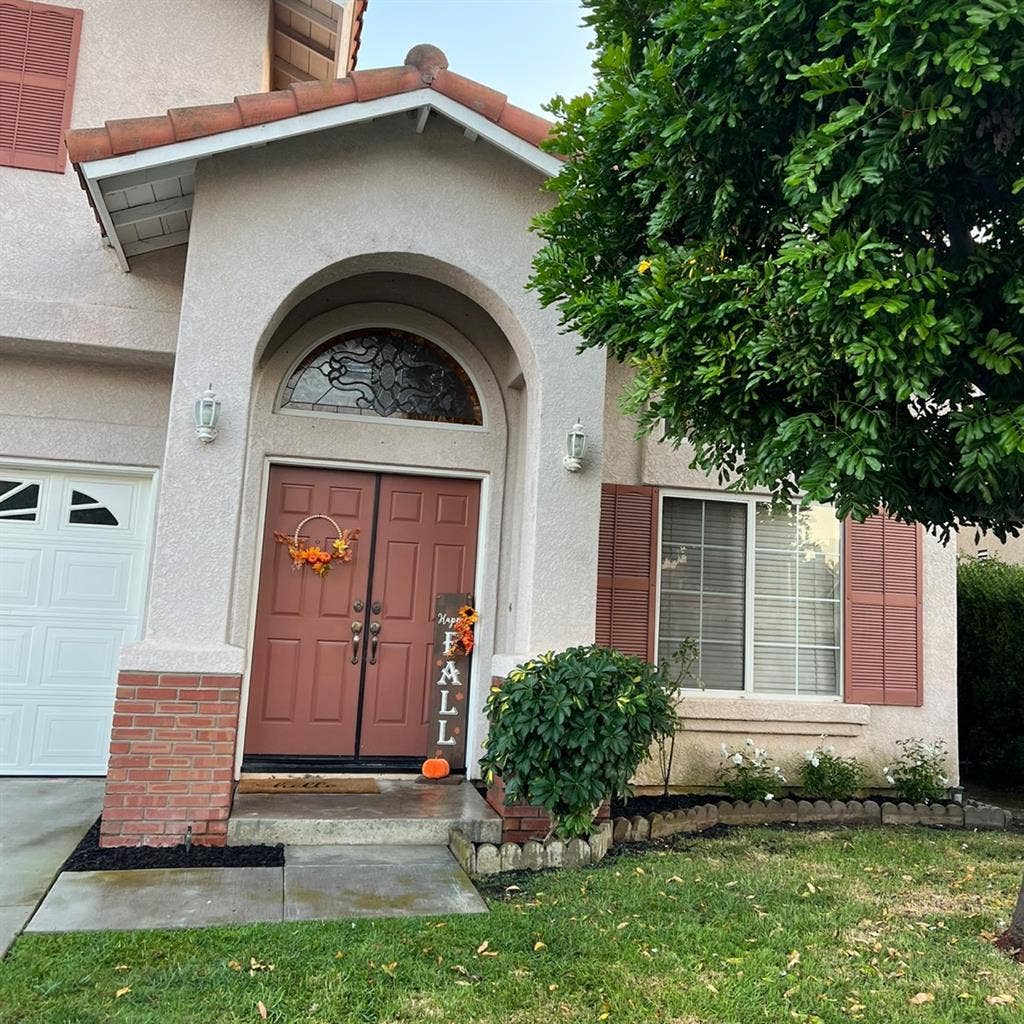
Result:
436,768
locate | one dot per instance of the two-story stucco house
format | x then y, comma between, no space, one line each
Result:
340,257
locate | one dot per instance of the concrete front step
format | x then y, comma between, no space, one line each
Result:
403,813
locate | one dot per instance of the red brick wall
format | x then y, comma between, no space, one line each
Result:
520,822
171,766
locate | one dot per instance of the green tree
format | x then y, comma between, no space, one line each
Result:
800,222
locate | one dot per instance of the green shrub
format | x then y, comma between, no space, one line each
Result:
990,670
919,773
569,730
826,775
748,774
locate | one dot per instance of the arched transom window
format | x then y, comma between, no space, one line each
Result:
383,372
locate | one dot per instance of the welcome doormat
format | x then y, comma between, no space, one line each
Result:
309,784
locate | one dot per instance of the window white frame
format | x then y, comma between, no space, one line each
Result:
751,501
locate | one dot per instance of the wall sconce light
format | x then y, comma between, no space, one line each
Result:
207,411
575,446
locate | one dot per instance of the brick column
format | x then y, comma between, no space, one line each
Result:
171,763
521,822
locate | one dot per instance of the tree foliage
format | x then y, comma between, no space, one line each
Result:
990,670
801,222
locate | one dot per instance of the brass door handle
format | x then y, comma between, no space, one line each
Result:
357,628
374,637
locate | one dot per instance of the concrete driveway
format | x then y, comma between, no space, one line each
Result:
41,822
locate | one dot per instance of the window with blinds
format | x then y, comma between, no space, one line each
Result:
757,589
703,572
796,601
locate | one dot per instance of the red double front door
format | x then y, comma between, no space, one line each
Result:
342,664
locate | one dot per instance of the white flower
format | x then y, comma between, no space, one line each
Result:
736,758
815,761
769,796
808,754
749,742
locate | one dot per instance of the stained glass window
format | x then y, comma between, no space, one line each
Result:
383,372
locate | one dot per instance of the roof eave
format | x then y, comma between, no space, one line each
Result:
94,172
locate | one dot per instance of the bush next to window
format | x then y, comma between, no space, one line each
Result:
990,670
569,730
919,773
830,776
747,773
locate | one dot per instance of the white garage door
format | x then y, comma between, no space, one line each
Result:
74,551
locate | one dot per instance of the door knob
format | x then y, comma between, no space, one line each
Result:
374,637
357,628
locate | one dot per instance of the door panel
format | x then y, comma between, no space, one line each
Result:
425,545
304,689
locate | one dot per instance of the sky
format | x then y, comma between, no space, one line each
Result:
529,49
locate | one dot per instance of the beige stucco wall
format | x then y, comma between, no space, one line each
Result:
58,283
436,206
969,545
65,410
786,728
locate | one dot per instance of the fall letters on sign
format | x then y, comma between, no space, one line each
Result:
451,684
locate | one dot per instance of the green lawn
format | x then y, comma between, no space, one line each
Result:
756,925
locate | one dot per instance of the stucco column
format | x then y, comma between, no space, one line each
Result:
197,512
558,588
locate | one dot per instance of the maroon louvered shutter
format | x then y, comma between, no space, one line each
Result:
38,54
626,569
882,613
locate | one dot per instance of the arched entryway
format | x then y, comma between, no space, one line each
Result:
383,422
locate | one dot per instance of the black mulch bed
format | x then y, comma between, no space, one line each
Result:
644,805
88,856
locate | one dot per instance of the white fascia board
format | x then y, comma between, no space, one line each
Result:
547,164
96,171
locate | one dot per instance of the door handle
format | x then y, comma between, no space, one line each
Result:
374,637
357,628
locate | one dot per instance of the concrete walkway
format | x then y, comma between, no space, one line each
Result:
41,822
317,883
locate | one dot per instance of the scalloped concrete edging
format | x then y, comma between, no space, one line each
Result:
491,859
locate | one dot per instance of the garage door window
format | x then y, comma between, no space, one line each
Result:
87,511
19,501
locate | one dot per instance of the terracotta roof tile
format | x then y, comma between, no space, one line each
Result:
261,107
527,126
318,95
425,67
89,144
134,133
208,119
372,85
480,98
